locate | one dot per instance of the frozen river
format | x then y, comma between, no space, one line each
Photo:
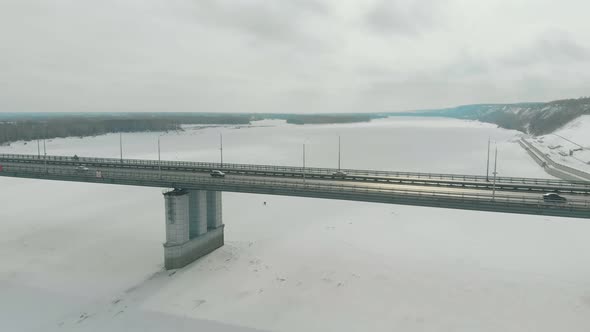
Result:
89,257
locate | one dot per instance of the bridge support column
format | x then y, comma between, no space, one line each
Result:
197,209
193,226
214,210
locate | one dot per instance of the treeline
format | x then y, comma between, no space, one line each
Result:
537,119
64,126
32,130
555,114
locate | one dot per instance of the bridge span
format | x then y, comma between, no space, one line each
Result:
193,215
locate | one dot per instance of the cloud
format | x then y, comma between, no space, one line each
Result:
278,21
403,17
549,48
288,55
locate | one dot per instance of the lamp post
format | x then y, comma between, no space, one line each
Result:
495,173
159,160
45,155
121,146
338,153
45,148
488,163
303,163
221,148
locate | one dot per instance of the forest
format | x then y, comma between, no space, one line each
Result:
29,128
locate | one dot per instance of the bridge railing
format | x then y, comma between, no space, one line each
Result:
247,185
288,169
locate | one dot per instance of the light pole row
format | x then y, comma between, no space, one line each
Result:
160,155
221,155
495,172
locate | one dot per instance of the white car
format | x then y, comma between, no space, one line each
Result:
554,198
217,174
82,168
339,174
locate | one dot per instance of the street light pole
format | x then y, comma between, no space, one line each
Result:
121,146
221,147
495,173
45,155
38,149
338,153
45,148
488,163
303,163
159,160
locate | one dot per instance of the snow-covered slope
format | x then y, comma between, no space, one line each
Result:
533,118
577,131
569,145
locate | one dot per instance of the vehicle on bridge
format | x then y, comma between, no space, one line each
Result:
553,197
339,174
82,168
217,174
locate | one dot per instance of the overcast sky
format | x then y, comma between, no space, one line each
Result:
289,55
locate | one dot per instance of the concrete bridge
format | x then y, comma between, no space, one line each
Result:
193,214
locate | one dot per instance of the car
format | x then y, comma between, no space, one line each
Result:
339,174
82,168
553,197
217,174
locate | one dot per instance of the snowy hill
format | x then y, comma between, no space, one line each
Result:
532,118
577,131
569,145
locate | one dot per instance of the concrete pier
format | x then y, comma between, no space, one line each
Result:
214,209
194,226
197,213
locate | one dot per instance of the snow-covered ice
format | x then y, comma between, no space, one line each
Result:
88,257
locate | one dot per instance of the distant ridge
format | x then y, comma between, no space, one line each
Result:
529,117
532,118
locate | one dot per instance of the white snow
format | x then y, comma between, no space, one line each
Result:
88,257
573,136
577,130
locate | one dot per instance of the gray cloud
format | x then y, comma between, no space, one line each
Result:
268,20
288,56
550,48
402,17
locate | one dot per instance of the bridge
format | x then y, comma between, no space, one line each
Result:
193,215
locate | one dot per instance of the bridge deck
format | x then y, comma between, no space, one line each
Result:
515,195
431,179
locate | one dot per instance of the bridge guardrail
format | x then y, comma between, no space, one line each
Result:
185,180
292,169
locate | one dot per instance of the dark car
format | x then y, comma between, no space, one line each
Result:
552,197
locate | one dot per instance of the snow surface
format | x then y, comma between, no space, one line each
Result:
577,131
572,136
88,257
